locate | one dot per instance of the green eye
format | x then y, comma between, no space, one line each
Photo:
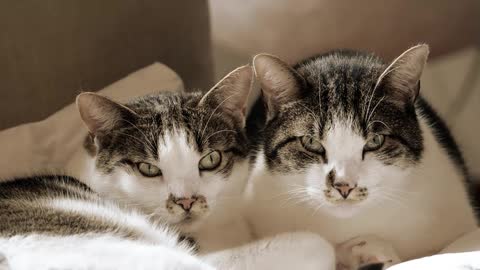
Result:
374,143
148,170
210,161
313,145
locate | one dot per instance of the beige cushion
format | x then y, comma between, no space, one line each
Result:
47,145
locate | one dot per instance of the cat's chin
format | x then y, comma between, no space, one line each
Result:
190,224
343,210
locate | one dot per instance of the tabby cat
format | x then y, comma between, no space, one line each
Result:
170,158
349,139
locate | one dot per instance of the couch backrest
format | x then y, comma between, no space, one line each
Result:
52,49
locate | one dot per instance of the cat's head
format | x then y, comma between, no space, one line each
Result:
174,155
341,129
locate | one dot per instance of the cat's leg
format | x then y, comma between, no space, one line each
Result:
287,251
94,253
365,252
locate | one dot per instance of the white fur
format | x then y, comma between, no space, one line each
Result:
113,214
82,252
157,247
299,250
418,210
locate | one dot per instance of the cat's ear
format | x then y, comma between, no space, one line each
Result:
230,95
402,76
101,114
280,83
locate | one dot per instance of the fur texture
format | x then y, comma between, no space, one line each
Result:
349,148
173,134
167,158
58,222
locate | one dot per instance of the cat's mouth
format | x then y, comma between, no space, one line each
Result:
354,196
188,218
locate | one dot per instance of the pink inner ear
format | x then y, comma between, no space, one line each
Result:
280,83
99,113
404,73
232,92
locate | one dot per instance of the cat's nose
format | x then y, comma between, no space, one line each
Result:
186,203
343,188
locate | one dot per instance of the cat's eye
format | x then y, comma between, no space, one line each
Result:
313,145
148,170
210,161
374,143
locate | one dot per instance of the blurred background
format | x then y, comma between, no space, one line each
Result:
52,49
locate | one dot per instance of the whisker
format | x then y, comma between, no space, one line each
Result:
374,108
133,137
141,132
315,118
224,130
211,115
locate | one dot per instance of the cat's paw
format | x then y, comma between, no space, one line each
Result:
365,252
3,262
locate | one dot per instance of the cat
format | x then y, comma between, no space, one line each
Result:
347,147
180,158
170,157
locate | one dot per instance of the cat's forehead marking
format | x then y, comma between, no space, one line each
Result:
341,141
176,143
178,158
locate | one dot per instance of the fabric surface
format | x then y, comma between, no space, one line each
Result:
48,144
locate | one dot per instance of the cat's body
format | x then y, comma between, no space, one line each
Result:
56,222
349,149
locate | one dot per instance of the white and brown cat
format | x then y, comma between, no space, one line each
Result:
349,148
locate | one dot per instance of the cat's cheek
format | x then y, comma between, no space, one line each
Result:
316,176
372,173
211,188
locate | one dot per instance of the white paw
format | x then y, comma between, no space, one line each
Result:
363,251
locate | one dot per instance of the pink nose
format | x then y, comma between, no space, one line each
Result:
343,188
186,203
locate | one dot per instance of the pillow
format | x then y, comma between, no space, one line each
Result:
47,145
